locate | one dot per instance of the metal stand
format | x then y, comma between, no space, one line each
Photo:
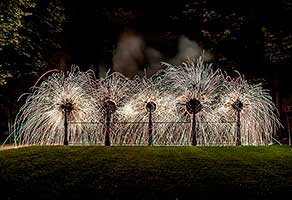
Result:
67,108
150,107
238,106
193,106
110,108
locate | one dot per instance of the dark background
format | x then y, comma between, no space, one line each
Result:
92,32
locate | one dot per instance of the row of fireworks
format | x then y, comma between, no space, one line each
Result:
64,107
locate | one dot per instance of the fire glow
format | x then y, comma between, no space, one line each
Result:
213,120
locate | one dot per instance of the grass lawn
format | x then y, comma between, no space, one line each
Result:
81,172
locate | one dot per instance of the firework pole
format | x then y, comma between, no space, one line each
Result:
67,108
238,105
150,126
150,107
193,106
238,134
110,108
66,129
107,125
194,131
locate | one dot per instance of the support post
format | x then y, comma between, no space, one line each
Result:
194,131
67,108
110,107
66,129
107,141
238,106
238,133
150,107
150,126
193,106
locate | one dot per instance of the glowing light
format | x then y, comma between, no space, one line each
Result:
41,119
259,121
178,93
164,116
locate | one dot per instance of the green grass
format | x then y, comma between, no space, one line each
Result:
78,172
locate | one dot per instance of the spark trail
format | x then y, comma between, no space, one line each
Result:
116,106
41,119
165,116
195,80
259,121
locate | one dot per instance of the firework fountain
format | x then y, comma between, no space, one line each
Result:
63,97
189,104
198,88
154,108
112,93
252,107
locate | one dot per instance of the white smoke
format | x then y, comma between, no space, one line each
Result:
154,58
189,49
129,54
132,54
102,70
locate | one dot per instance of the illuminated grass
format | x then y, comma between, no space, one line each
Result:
55,172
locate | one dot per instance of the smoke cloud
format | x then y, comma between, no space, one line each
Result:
129,54
189,49
132,54
154,58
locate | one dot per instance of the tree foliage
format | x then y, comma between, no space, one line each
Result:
11,21
277,45
240,33
29,33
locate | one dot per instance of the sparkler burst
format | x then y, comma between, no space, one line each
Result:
259,121
194,80
41,119
150,92
112,93
188,104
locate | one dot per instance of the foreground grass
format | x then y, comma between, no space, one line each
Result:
78,172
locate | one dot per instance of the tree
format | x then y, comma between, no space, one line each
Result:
11,22
216,27
30,32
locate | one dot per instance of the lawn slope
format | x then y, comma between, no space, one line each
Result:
81,172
